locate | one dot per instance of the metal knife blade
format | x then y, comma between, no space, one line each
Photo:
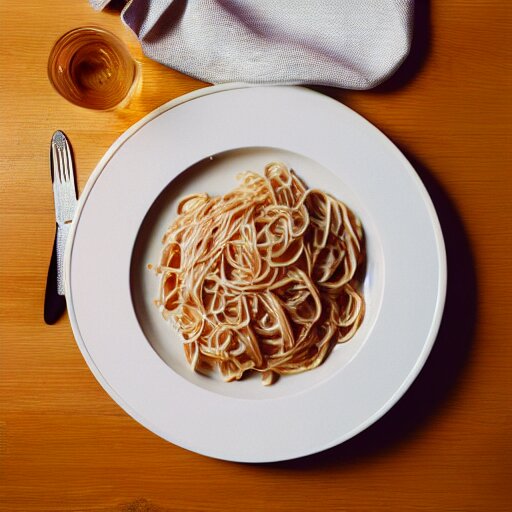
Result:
65,198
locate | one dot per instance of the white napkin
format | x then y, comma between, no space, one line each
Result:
354,44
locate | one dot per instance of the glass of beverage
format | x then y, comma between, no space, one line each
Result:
93,68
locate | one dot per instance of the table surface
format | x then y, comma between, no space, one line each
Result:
65,445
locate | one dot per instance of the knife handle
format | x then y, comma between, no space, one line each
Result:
54,304
62,236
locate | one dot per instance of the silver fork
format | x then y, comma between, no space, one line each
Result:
64,192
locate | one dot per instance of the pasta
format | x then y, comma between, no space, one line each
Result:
263,278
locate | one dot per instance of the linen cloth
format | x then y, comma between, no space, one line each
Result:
353,44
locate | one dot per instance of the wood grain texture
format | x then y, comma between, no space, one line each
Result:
65,445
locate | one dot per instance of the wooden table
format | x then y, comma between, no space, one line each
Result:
65,445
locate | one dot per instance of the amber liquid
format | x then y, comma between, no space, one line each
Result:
92,68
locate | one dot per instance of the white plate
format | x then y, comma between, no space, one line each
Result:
130,199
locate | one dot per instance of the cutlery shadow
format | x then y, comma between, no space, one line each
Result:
445,365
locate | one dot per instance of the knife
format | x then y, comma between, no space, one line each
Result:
65,197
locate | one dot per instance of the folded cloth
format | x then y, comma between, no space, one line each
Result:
353,44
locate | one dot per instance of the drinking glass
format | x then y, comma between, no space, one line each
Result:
92,68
